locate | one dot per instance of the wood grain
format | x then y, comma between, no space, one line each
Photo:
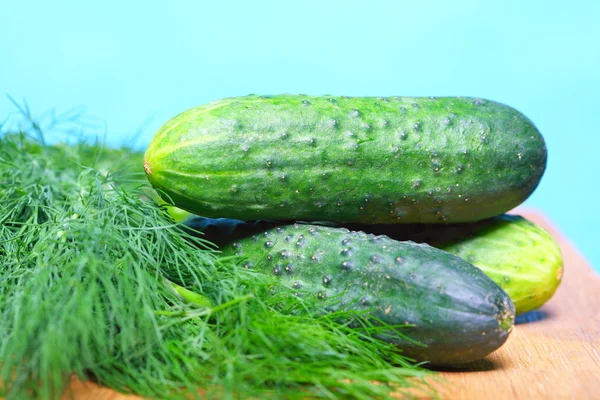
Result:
554,352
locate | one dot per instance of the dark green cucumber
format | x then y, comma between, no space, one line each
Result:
520,256
372,160
457,312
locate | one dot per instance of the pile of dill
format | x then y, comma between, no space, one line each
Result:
98,283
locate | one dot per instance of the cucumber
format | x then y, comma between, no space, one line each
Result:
357,159
458,313
520,256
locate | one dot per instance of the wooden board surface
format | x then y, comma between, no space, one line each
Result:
554,352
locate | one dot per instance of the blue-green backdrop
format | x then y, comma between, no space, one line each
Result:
134,64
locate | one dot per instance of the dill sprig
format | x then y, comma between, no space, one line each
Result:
98,283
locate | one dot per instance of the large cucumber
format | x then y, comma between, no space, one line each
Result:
458,313
373,160
522,257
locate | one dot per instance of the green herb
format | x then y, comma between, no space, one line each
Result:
99,283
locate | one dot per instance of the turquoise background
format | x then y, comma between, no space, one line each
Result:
134,64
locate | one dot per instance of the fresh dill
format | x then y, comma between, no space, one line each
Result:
98,283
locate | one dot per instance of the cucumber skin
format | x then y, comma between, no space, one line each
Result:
458,313
371,160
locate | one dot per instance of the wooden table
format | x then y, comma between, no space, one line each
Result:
554,353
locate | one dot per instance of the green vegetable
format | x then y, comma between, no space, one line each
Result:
371,160
98,283
520,256
457,312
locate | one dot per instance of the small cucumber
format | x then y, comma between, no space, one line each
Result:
458,313
360,159
520,256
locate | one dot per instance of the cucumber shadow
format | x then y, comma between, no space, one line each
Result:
532,317
486,364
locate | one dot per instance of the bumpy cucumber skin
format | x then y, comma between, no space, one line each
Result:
520,256
458,312
372,160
